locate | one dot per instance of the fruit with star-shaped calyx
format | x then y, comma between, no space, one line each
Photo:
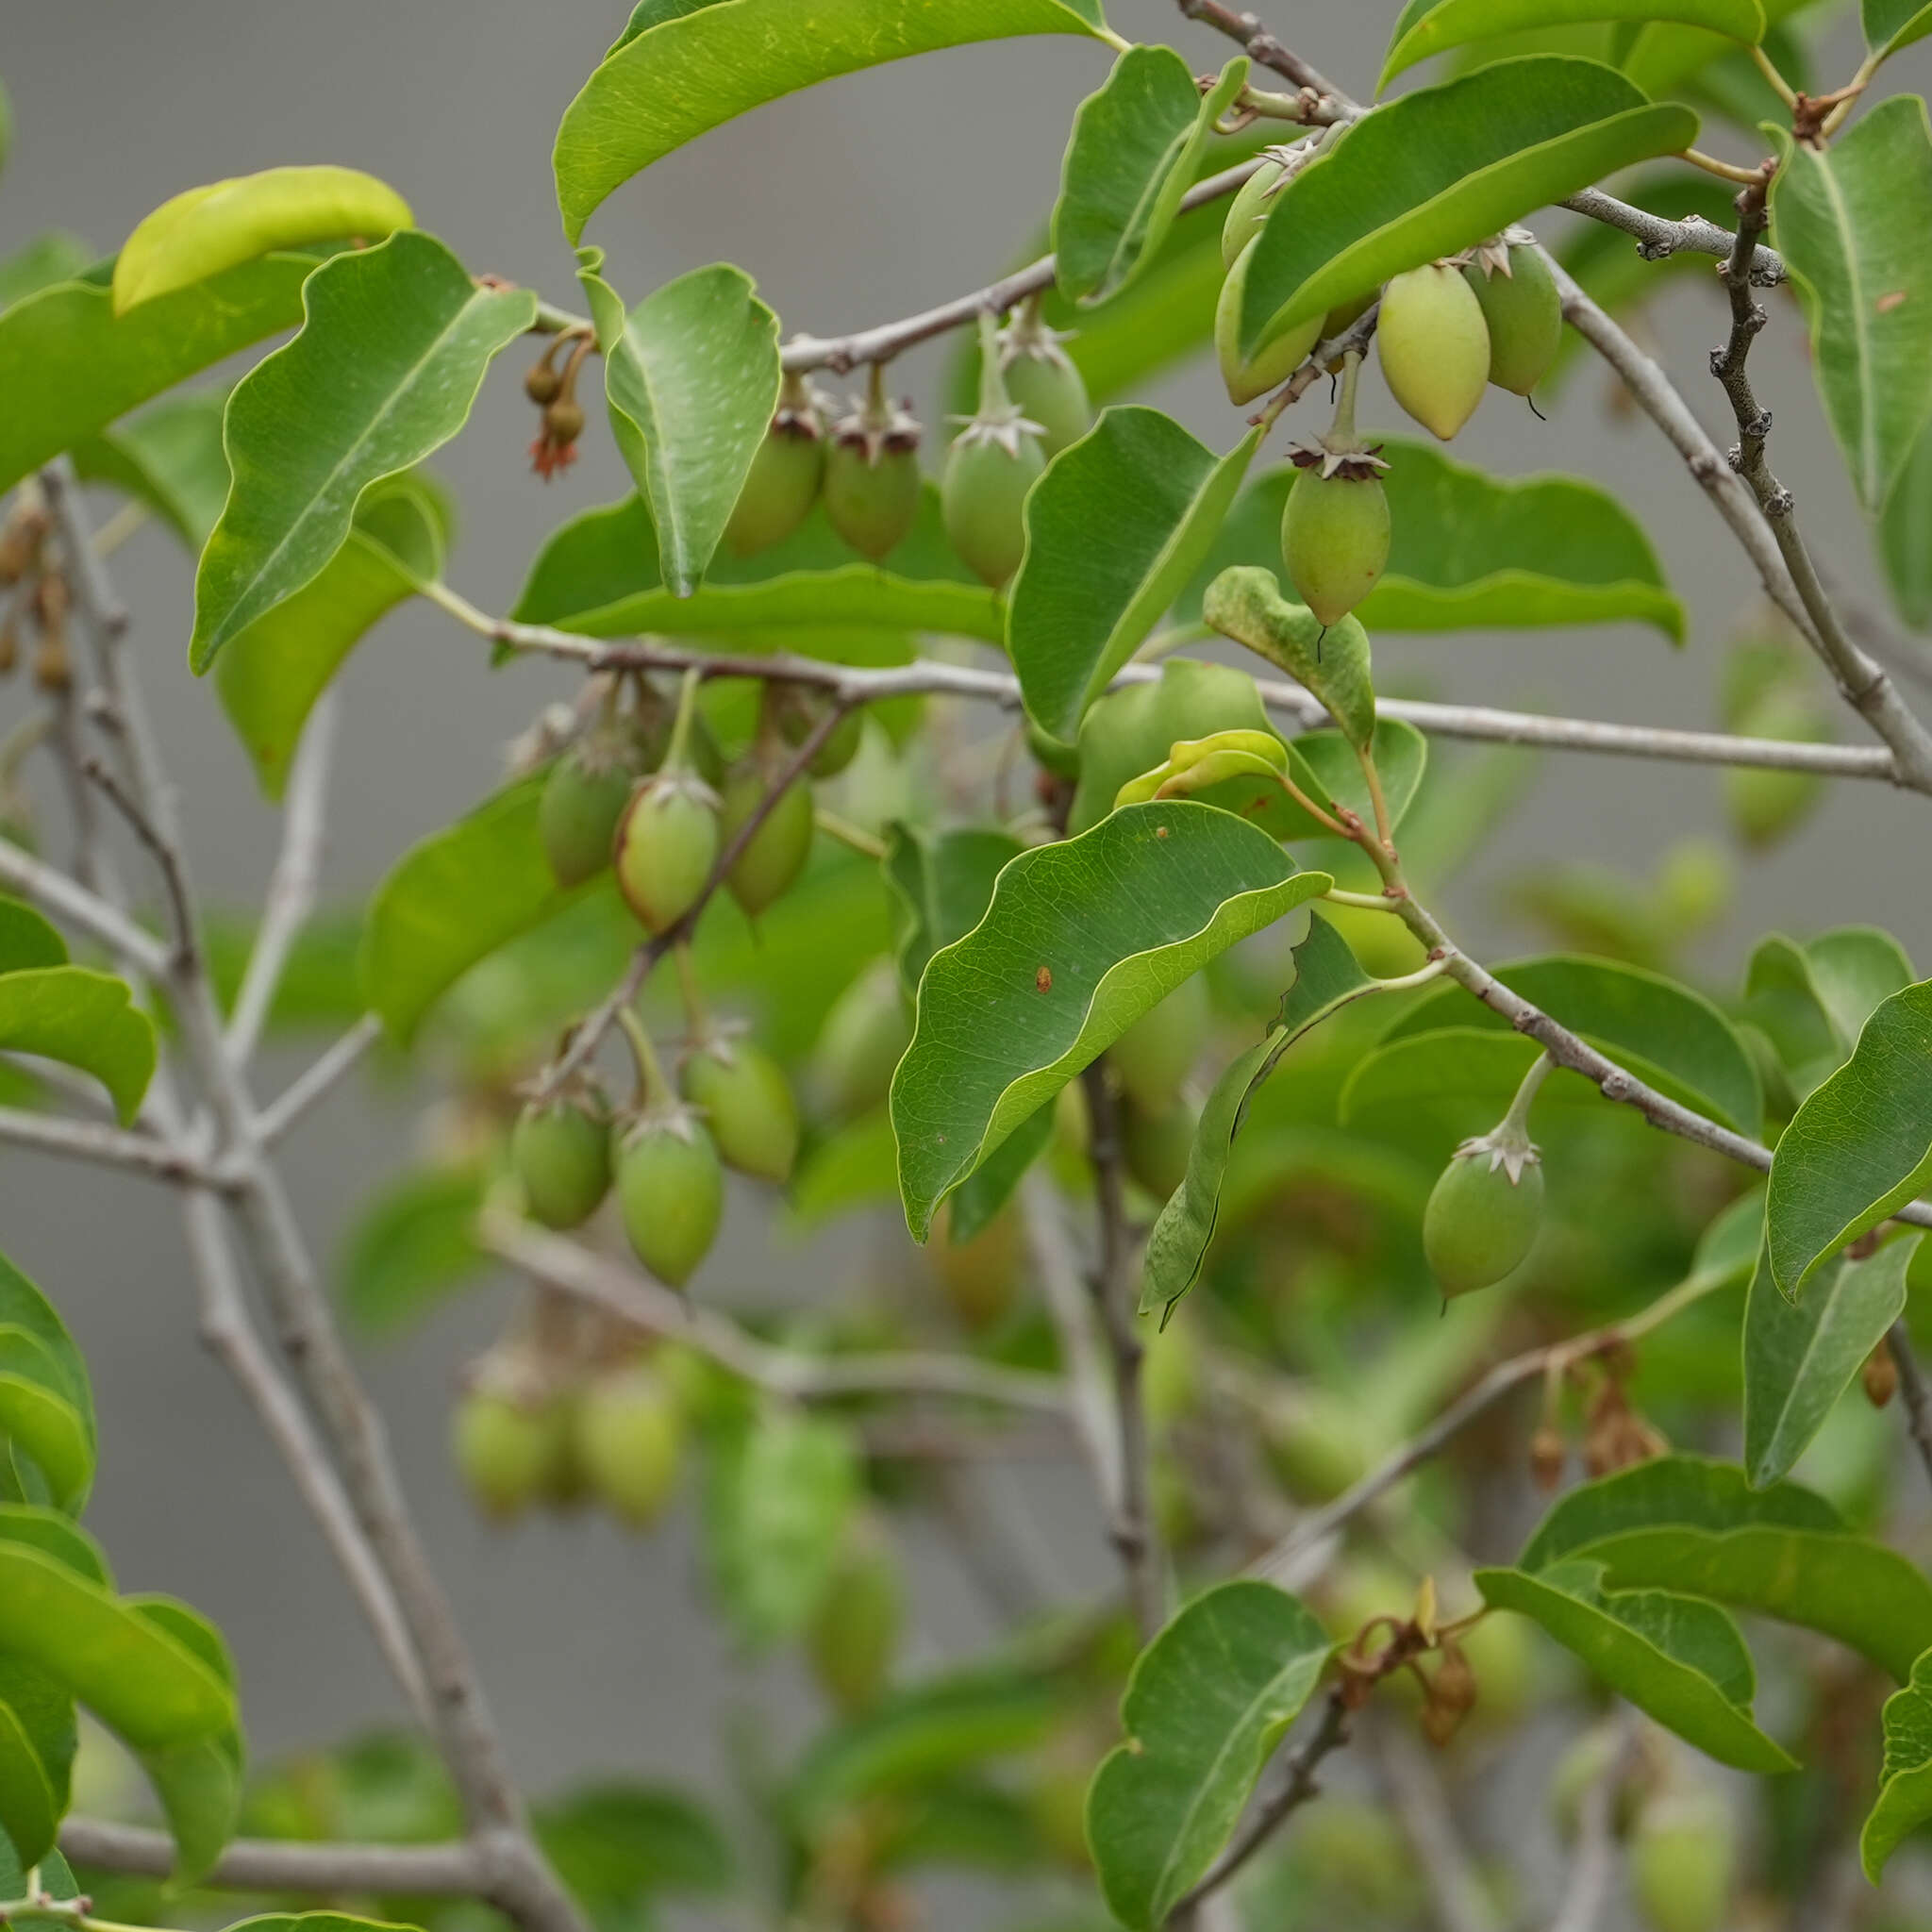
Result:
783,481
667,843
995,460
585,795
1435,346
1042,381
1521,308
670,1190
1483,1214
1270,365
796,710
746,1103
1334,526
628,1434
560,1150
872,487
1275,168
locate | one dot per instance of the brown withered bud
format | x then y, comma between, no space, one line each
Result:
1452,1695
1548,1452
1880,1375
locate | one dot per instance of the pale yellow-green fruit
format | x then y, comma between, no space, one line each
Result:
1274,362
1683,1856
1435,348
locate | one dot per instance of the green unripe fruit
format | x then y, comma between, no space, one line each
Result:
1435,348
561,1154
982,1275
871,503
671,1192
780,486
1047,388
748,1106
1172,1381
1156,1145
628,1433
797,712
505,1449
1586,1761
1335,541
1525,317
1682,1861
1155,1056
983,496
667,843
769,866
583,799
864,1035
1052,754
1480,1225
854,1635
1248,213
1272,364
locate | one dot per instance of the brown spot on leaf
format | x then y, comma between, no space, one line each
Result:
1893,298
1042,981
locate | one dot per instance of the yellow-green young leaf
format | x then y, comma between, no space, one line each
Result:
198,1780
598,576
37,1415
85,1019
1433,26
1859,1147
1114,529
1891,25
1325,768
1439,169
691,377
1904,1790
270,676
203,230
1206,1702
1136,147
1800,1357
69,365
1687,1524
683,66
169,457
1081,939
1332,660
1850,223
57,1363
393,346
1677,1659
37,1738
50,258
452,900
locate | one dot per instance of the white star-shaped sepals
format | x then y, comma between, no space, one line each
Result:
1511,1153
1005,432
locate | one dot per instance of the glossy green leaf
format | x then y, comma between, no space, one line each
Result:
1246,604
1326,770
1677,1659
1439,168
1891,25
1081,939
598,576
70,366
1669,58
690,378
1800,1357
1135,148
1433,26
1466,1073
274,671
169,457
56,1362
1326,978
1205,1705
1114,530
1812,1001
28,937
1693,1525
1905,1792
777,1502
1859,1147
411,1245
684,66
85,1019
54,256
37,1740
452,900
201,231
977,1199
944,883
39,1416
1666,1034
198,1780
1849,222
394,344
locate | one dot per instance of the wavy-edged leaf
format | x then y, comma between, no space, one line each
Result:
1849,222
1439,168
977,1200
1905,1792
1082,938
683,66
411,1244
169,457
1891,25
1136,147
70,366
452,900
945,882
272,674
1695,1526
1206,1702
198,1780
690,378
53,256
1326,978
1245,603
201,231
1326,770
1677,1659
85,1019
27,939
393,346
1115,528
1859,1147
1433,26
1800,1357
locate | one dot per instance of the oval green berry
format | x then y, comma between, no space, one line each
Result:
779,488
747,1104
583,799
1157,1052
629,1434
1048,389
671,1192
983,495
854,1634
1682,1861
667,843
1333,541
769,866
873,506
1525,317
1271,366
1435,348
1479,1226
561,1154
1248,211
505,1449
865,1033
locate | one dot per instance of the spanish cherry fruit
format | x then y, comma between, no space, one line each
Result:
771,862
1042,380
667,843
1248,213
1435,346
1335,540
1272,364
747,1104
583,799
1157,1052
561,1154
504,1448
1483,1214
628,1434
871,485
783,482
983,494
980,1275
797,711
1522,311
1156,1145
854,1634
1682,1861
863,1036
669,1191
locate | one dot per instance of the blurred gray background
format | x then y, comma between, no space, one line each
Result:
870,197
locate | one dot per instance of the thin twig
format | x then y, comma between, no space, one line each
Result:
318,1080
167,862
1913,1388
138,1153
254,1864
1421,1809
1593,1864
67,900
1657,237
1264,50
